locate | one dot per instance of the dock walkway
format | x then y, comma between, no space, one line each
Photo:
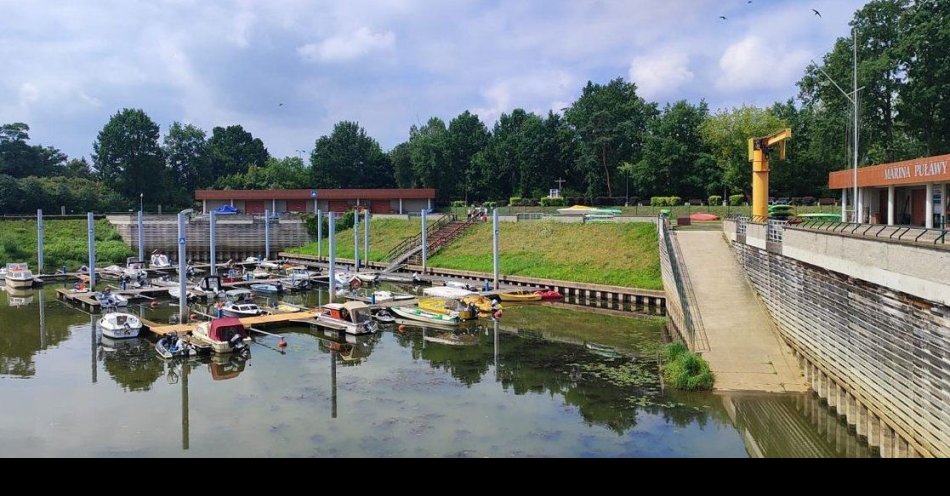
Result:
745,350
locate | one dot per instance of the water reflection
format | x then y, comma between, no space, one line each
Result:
30,324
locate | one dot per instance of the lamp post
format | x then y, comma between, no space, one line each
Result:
853,98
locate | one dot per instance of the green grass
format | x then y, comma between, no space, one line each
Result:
615,254
64,243
384,235
686,370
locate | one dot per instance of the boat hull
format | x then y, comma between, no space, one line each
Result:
19,283
519,296
423,316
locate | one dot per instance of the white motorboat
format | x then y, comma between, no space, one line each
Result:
171,346
231,309
135,269
447,292
210,287
416,314
159,261
118,325
18,276
269,264
353,317
108,299
260,273
175,292
370,278
224,335
302,272
268,288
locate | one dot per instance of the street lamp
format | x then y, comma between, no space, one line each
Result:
141,196
854,103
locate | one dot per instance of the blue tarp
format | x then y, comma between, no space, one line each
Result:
225,210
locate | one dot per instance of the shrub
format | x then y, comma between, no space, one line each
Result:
459,203
686,370
658,201
515,201
715,200
675,201
491,205
547,201
736,200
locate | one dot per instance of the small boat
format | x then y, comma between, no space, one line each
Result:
251,260
108,299
224,335
118,325
461,285
135,269
159,261
520,296
210,287
175,292
413,313
369,278
260,273
171,346
703,217
268,288
549,294
296,283
484,305
602,350
301,272
354,317
18,276
240,309
269,264
384,316
344,279
446,292
449,306
452,339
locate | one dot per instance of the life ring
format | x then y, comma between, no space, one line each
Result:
153,304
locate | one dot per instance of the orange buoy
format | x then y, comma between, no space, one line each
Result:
497,314
193,316
281,343
402,327
153,304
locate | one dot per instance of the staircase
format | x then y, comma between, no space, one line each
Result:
438,234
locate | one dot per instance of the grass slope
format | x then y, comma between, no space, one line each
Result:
616,254
384,235
64,243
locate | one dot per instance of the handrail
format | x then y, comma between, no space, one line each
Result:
415,239
906,234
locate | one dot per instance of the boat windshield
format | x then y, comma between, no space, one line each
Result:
361,315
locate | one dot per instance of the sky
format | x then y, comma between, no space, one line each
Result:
288,70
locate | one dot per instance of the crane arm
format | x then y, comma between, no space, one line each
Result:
766,142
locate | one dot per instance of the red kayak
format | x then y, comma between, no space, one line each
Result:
548,295
703,217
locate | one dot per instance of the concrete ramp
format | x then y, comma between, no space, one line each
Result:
745,351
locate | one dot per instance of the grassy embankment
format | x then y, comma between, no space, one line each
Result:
384,235
614,254
64,243
649,211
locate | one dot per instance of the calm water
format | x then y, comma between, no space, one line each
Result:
543,382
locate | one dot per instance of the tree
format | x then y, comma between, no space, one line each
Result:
467,135
611,122
429,151
925,58
511,163
186,152
128,157
19,159
348,158
676,159
231,150
285,173
78,168
727,134
401,161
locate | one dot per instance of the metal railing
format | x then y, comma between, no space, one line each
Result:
414,240
905,234
776,230
742,224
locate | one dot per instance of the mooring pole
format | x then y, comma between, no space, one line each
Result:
267,234
356,240
39,241
90,223
182,269
366,236
141,236
425,247
494,230
331,236
319,235
212,241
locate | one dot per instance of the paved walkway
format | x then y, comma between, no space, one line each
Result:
745,351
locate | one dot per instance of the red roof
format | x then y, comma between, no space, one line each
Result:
219,328
322,194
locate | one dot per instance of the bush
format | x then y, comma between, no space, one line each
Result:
658,201
736,200
675,201
515,201
547,201
686,370
459,203
715,200
491,205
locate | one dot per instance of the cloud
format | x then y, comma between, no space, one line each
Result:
661,74
756,64
537,92
344,48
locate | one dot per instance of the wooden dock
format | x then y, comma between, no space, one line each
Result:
260,321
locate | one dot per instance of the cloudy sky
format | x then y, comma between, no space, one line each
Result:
67,66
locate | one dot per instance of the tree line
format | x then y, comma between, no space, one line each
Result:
609,142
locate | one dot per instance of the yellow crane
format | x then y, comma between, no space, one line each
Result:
759,151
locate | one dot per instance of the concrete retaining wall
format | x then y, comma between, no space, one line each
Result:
879,357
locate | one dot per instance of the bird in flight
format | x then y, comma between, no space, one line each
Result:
722,17
280,104
816,12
